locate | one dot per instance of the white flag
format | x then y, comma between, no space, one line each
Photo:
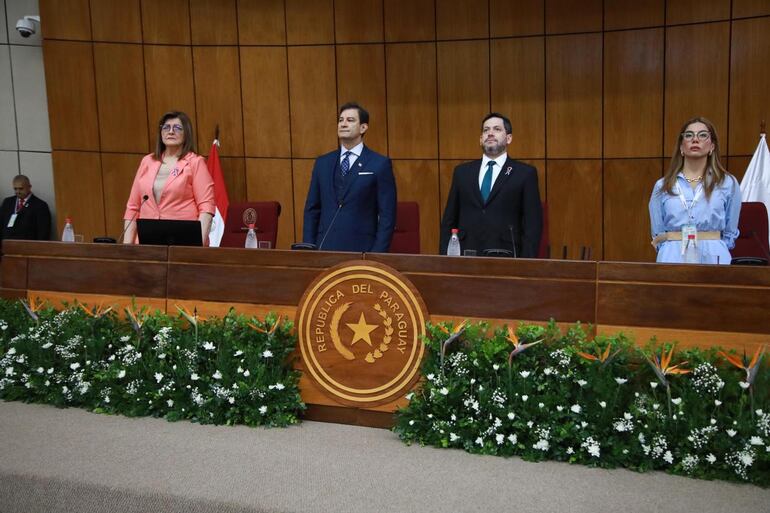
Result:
755,185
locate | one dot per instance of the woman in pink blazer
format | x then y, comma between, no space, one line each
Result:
173,182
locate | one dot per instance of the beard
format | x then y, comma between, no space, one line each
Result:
493,147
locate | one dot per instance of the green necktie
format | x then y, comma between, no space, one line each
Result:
486,184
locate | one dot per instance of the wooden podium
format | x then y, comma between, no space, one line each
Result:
696,305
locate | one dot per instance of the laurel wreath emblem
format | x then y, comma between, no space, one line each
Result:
371,356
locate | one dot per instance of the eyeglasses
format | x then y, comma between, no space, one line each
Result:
169,128
703,135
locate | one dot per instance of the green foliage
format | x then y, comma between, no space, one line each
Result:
595,401
234,370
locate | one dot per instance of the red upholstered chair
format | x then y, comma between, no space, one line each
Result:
752,241
544,250
264,215
406,235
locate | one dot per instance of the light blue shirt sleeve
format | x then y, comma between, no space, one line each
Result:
656,210
732,212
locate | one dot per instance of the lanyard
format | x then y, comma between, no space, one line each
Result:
698,193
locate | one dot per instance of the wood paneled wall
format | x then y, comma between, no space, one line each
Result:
596,91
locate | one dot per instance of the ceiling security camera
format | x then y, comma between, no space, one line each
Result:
26,25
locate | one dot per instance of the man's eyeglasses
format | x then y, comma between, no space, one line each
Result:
169,128
703,135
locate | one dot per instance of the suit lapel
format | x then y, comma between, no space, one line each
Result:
179,170
473,182
503,177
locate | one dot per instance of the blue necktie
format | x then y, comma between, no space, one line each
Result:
345,165
486,184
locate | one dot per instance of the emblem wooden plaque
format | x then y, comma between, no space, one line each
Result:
360,327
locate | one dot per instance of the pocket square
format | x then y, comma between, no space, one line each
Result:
365,173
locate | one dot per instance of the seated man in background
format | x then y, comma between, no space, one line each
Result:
24,215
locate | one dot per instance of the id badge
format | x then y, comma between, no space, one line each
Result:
12,220
687,230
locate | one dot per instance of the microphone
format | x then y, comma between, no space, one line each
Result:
513,240
331,225
110,240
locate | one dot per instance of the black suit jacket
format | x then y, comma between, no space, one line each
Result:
513,206
32,223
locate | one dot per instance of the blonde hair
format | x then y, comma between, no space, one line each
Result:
715,171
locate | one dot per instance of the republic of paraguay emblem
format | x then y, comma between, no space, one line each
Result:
360,327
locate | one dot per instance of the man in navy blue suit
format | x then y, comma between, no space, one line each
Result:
494,202
351,204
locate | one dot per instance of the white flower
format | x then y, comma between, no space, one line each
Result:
530,424
453,437
513,438
9,371
158,377
74,366
620,381
46,345
755,440
263,409
47,383
267,353
541,405
479,441
162,356
584,424
542,445
50,371
731,433
524,374
576,408
121,373
411,423
654,384
473,380
40,370
430,377
655,406
676,400
717,402
603,404
208,346
279,386
453,417
238,353
713,421
627,416
711,458
11,351
170,403
511,415
570,450
747,458
231,400
744,385
524,398
548,371
246,373
499,438
668,457
582,382
240,370
194,376
217,375
560,408
760,412
495,366
444,391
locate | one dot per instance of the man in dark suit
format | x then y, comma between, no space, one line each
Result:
494,202
351,204
24,215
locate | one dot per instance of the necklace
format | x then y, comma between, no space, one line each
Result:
693,180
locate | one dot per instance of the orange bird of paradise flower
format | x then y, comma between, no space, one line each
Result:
604,357
518,347
662,366
269,332
193,317
455,334
750,367
96,312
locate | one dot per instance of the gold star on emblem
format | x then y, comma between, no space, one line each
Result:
361,330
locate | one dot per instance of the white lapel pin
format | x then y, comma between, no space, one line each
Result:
508,170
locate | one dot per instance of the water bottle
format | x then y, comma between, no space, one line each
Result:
68,234
453,248
691,253
251,238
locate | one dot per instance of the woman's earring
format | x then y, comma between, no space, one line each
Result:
682,152
712,151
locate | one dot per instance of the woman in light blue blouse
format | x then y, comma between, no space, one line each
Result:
698,195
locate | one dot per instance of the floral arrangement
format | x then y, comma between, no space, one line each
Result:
540,394
232,370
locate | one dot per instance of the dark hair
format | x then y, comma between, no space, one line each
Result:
363,115
21,178
506,121
715,172
189,139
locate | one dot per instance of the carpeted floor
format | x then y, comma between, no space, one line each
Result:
54,460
